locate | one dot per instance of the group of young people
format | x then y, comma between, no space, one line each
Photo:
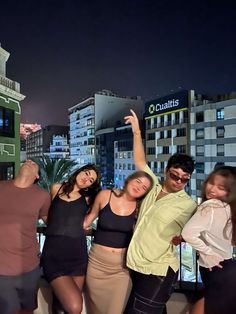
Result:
132,265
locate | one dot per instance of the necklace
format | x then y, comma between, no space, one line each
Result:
164,191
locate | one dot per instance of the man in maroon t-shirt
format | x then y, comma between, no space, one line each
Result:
22,204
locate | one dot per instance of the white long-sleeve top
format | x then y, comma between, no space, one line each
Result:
209,231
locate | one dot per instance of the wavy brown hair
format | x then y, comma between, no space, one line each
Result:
90,192
229,174
133,176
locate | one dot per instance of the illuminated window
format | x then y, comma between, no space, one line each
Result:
7,122
7,170
220,114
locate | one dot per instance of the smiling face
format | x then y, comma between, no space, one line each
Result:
138,187
176,179
216,188
86,178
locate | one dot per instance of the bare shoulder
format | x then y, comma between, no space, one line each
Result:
103,194
55,188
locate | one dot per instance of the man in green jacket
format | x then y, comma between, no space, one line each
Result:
164,211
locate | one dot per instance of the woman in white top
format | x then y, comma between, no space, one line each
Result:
212,231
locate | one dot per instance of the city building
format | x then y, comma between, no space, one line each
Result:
167,128
105,155
102,111
10,112
123,155
59,148
213,136
38,143
114,155
25,130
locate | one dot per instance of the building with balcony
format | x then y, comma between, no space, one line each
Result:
25,130
114,155
102,111
213,136
38,143
10,112
59,148
199,125
105,155
123,155
167,128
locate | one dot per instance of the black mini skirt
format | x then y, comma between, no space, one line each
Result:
64,256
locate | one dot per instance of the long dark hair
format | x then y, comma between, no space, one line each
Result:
90,192
229,174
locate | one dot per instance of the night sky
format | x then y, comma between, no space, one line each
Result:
63,51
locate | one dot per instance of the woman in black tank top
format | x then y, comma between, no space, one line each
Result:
64,258
107,280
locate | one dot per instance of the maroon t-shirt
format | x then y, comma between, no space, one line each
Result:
20,209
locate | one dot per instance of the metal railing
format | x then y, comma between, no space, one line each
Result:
189,278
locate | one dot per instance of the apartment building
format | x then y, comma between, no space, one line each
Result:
167,128
102,111
38,143
213,135
10,112
59,147
123,155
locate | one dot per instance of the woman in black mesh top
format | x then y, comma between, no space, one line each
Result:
64,258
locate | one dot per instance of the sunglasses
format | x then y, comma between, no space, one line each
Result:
177,178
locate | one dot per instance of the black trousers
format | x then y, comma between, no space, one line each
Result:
150,293
220,288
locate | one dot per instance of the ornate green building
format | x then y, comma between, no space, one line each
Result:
10,112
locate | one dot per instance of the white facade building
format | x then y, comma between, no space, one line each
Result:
103,110
213,136
123,156
59,148
167,129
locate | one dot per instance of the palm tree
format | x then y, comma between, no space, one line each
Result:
53,170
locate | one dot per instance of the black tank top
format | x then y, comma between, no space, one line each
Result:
114,230
66,218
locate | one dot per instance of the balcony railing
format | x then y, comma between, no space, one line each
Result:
9,83
189,278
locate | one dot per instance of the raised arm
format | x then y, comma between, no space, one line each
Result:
138,149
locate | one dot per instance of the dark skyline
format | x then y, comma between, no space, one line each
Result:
63,51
